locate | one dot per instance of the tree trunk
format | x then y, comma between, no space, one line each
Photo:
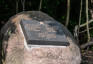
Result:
23,4
68,13
17,1
87,21
40,6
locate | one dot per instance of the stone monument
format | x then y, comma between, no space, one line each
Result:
34,37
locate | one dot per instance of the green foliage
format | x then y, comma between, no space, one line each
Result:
63,17
92,47
84,61
91,34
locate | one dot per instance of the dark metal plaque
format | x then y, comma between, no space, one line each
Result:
43,33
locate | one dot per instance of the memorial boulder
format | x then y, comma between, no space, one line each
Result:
34,37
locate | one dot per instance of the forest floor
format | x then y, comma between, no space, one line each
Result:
87,56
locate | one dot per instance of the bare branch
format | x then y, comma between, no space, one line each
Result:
90,21
86,45
85,30
76,28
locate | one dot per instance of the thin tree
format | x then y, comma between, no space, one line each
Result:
79,19
88,43
17,1
68,13
87,24
40,6
23,4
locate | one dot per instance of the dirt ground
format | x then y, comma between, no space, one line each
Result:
87,56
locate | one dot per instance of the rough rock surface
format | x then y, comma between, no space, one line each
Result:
14,51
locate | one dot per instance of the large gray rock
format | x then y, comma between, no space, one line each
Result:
15,52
